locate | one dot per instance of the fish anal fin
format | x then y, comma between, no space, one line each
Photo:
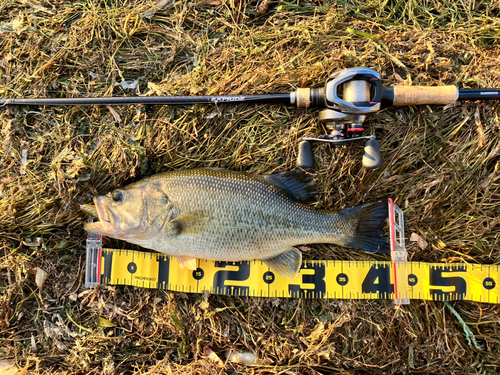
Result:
187,262
286,264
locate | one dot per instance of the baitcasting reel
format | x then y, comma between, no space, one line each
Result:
348,96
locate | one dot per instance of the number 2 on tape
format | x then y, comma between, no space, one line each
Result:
242,274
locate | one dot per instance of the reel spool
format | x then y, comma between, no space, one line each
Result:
349,95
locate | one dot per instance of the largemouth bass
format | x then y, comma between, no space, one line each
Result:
231,216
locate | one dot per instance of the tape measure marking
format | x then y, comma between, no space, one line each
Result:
317,279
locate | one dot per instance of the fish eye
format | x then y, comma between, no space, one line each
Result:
118,196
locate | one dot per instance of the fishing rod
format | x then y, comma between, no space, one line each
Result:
346,99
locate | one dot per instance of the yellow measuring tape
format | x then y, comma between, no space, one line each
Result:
397,279
317,279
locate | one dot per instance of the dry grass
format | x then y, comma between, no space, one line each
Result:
440,164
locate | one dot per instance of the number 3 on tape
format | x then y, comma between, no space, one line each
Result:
313,284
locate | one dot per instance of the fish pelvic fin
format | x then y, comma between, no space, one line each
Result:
368,220
286,264
187,262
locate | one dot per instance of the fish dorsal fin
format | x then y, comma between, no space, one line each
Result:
193,222
187,262
298,185
286,264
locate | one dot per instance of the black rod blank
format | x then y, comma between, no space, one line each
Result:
154,100
463,94
479,94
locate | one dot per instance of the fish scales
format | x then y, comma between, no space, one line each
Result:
249,219
231,216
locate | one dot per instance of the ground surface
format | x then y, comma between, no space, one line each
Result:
441,165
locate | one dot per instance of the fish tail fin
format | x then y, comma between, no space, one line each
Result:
368,220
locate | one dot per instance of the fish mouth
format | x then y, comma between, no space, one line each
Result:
108,223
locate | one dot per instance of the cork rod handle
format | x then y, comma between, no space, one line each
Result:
416,95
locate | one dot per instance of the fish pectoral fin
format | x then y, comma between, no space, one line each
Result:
190,223
286,264
187,262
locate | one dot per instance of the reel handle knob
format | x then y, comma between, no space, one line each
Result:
372,158
305,159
